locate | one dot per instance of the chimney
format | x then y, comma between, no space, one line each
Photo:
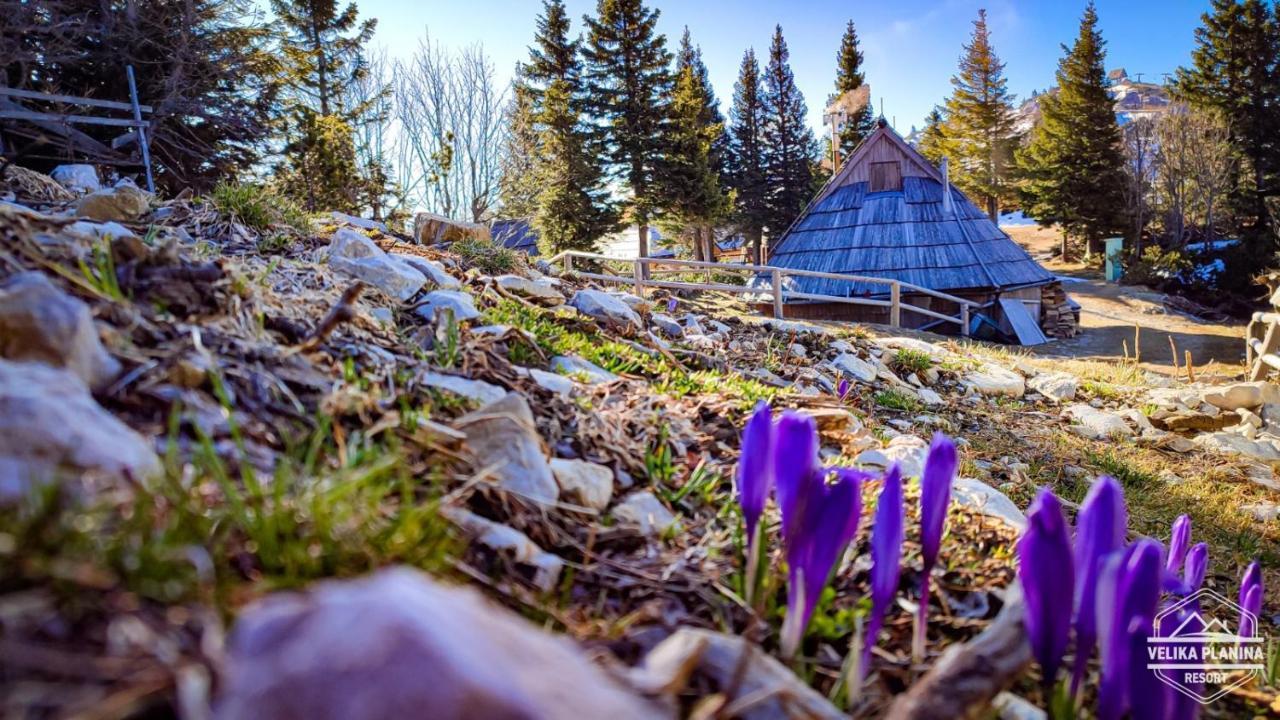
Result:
946,186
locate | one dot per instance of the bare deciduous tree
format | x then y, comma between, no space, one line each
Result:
1140,170
1194,166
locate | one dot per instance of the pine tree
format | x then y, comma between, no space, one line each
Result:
518,185
570,208
320,164
1073,168
933,138
1235,70
746,158
979,123
691,181
710,115
788,142
323,48
849,76
628,91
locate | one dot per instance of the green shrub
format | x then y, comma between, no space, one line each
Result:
909,361
1156,266
490,257
260,208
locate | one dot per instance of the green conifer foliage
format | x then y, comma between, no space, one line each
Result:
789,146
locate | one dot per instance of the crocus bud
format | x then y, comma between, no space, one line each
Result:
1047,575
1179,541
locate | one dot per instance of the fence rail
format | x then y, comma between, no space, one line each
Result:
644,270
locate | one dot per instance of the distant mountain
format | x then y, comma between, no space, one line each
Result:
1133,100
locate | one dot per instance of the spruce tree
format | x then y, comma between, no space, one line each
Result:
1235,70
569,204
323,47
1073,169
518,185
691,181
628,92
933,138
691,55
979,124
746,158
788,142
849,76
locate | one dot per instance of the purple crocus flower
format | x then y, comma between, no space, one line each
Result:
935,497
1131,592
842,390
755,467
1099,533
886,557
828,521
1178,543
795,463
671,306
1193,570
1047,576
1143,683
1250,599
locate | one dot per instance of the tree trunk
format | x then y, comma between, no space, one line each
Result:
1066,245
642,250
697,244
757,241
993,209
708,243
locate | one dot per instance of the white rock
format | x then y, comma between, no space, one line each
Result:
575,366
540,290
1241,395
1265,449
512,542
667,325
40,322
994,380
797,350
50,422
1249,418
358,256
558,384
605,308
1263,512
929,397
477,390
853,367
77,178
1097,424
1140,421
1057,386
458,302
935,353
643,510
987,500
841,346
399,644
432,270
909,452
358,221
586,483
100,230
502,437
635,302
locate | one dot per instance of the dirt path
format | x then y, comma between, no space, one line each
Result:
1110,312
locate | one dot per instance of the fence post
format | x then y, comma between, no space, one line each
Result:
777,293
568,264
964,319
638,273
141,129
895,307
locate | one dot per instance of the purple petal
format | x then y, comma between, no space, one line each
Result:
1137,592
1178,543
1046,572
1195,567
886,557
755,467
935,496
843,389
671,305
795,466
1144,683
830,522
1250,599
1099,533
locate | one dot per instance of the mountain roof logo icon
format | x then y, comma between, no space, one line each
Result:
1194,627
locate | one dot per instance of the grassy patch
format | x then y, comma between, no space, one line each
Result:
556,336
261,209
897,400
490,257
1099,389
907,361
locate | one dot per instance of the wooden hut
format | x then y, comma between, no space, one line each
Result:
889,213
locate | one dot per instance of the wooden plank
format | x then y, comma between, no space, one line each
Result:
895,305
1268,346
65,119
777,294
71,100
1024,326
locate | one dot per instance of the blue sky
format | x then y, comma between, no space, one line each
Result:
911,46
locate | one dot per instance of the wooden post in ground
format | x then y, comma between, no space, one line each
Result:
777,293
964,319
895,307
1191,368
1173,350
568,264
638,273
1137,349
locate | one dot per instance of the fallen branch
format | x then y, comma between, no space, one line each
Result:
342,311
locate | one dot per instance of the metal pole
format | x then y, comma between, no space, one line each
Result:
141,128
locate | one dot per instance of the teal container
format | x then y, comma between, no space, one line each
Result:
1113,269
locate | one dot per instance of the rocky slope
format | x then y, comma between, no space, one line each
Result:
310,441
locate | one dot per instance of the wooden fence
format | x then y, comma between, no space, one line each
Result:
1260,353
646,273
60,123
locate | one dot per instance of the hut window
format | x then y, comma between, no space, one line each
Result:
885,176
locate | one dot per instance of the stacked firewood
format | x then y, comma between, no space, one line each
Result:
1058,317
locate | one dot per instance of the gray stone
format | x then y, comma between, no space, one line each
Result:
358,256
1263,511
541,290
667,325
123,203
40,322
585,483
635,302
841,346
935,353
553,382
605,308
1265,449
458,302
1241,395
851,366
511,542
384,316
503,438
909,452
1057,386
49,423
359,222
644,511
476,390
100,230
929,397
575,366
1097,424
77,178
399,644
995,381
987,500
433,271
797,350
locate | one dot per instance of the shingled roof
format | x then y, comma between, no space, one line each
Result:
904,233
515,234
